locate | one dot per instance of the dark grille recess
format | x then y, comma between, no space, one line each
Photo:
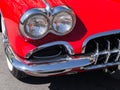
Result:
105,49
49,52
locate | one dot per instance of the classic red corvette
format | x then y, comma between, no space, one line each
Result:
58,37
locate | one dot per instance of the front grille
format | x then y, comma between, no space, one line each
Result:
104,49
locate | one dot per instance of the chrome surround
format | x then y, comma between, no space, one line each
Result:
48,8
64,66
4,33
101,66
49,13
58,10
29,14
96,36
65,44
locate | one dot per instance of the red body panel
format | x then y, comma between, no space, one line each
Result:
93,16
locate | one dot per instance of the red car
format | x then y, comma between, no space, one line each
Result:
58,37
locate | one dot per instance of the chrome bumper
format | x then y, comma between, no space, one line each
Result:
49,69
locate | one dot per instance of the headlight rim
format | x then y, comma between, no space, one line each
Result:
26,16
60,9
42,11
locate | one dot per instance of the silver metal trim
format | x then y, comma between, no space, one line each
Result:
65,44
101,66
48,8
96,36
49,13
48,69
29,14
58,10
3,27
108,50
117,58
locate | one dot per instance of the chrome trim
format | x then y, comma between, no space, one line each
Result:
101,66
48,8
108,53
65,44
29,14
48,69
58,10
96,36
49,13
3,27
118,51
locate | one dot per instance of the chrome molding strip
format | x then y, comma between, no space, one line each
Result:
101,66
3,27
65,44
98,35
48,8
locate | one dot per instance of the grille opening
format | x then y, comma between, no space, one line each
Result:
49,52
102,44
119,59
112,57
91,48
101,59
114,44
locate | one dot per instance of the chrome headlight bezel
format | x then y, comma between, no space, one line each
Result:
26,16
50,16
63,9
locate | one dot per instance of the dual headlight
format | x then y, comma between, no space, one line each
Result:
35,23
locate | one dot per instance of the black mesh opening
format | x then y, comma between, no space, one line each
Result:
101,59
112,57
49,52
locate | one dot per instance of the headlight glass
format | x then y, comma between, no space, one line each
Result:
36,26
63,22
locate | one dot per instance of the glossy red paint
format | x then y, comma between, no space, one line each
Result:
93,16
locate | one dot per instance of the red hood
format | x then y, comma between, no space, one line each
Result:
97,15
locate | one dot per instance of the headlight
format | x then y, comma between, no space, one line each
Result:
34,24
63,20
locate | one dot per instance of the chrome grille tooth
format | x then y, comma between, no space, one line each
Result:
118,50
108,51
96,55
